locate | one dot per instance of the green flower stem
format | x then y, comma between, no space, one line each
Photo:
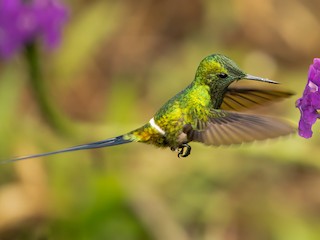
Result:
38,84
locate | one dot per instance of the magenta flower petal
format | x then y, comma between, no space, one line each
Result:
51,16
315,101
309,103
24,21
305,129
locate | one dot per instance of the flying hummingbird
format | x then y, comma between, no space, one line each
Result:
206,111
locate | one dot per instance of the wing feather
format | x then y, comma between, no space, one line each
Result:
240,99
226,128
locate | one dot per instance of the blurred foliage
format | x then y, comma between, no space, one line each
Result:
119,61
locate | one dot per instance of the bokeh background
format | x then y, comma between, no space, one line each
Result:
117,63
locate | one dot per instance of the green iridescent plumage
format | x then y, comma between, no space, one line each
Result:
207,111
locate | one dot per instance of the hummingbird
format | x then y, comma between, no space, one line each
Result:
208,110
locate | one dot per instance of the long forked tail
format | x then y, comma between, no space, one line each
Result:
104,143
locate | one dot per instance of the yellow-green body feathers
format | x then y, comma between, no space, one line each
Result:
185,108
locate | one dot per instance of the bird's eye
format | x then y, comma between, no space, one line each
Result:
222,75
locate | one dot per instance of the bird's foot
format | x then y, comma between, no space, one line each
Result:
184,150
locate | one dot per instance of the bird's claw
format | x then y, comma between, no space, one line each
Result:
184,150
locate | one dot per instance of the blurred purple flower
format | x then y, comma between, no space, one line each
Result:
309,103
22,21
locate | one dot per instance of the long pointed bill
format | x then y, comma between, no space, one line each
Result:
251,77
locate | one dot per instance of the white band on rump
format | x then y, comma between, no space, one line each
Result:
156,127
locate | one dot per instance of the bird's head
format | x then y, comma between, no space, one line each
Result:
218,70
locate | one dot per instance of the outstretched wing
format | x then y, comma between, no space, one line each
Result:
226,128
240,99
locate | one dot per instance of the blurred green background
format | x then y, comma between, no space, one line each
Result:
118,62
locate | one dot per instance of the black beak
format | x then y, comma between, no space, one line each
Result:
251,77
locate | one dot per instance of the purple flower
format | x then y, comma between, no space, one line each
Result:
309,103
23,21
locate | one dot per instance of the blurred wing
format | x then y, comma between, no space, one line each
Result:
226,128
240,99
